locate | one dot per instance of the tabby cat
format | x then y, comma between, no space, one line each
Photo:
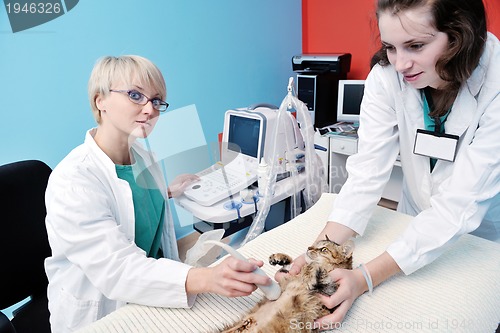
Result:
298,306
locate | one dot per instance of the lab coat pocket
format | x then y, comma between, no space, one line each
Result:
76,313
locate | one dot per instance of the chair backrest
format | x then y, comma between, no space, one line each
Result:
23,236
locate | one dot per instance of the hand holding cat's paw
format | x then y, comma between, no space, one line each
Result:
295,268
297,264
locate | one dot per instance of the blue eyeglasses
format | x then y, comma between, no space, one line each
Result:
137,97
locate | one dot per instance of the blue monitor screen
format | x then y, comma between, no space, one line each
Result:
244,132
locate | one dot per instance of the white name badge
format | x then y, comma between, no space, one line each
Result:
436,145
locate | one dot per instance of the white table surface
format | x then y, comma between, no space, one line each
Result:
459,292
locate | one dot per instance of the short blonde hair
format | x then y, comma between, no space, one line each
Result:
109,70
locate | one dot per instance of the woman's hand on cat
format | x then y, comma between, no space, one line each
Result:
351,284
231,278
297,265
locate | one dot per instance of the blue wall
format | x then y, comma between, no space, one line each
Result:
217,54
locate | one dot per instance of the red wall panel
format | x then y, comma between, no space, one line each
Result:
338,26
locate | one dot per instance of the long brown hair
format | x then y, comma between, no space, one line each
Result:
464,21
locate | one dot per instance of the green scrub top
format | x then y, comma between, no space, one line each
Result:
149,208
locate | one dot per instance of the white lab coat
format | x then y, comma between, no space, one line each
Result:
95,265
457,197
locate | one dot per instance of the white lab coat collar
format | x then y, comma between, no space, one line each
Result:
107,163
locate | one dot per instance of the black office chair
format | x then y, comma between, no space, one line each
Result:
24,246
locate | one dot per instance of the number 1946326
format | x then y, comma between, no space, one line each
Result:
33,8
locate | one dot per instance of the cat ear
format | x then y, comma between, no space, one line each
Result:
348,248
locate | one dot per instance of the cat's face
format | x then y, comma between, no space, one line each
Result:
326,251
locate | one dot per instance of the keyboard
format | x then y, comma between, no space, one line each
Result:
220,181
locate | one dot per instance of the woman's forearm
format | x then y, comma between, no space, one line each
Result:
336,232
196,280
381,268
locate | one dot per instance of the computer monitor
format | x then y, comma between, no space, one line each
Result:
243,132
349,100
253,133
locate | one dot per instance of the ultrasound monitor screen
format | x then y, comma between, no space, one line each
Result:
244,132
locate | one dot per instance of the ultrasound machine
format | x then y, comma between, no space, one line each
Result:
247,139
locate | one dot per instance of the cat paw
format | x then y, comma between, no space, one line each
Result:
280,259
244,326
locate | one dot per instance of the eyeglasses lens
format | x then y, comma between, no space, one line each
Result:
141,99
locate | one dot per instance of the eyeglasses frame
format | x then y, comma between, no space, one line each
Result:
147,99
